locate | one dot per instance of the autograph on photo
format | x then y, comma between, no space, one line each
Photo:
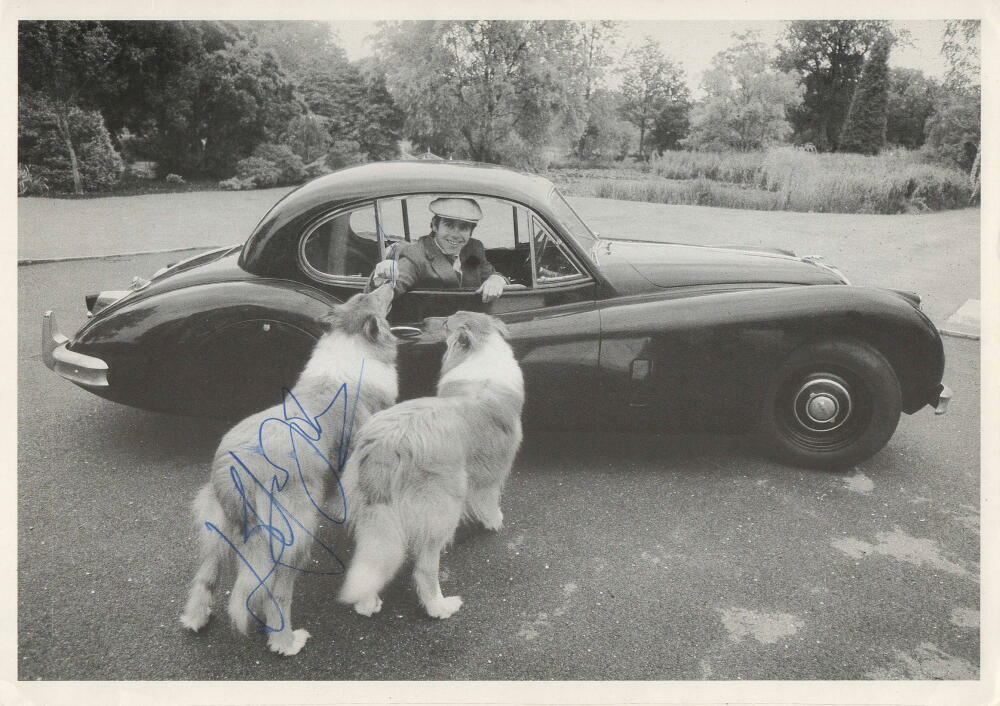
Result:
273,519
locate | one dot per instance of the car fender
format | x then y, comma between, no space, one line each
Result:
704,355
174,353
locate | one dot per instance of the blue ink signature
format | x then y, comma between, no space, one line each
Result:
275,521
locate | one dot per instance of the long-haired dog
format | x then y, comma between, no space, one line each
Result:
422,466
269,482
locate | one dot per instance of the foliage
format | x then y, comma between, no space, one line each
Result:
865,125
28,183
593,50
344,153
270,165
827,56
174,179
960,47
746,101
650,83
296,45
45,138
353,101
911,101
606,136
245,99
307,136
953,131
478,88
795,180
671,126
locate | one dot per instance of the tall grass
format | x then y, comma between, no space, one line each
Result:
795,180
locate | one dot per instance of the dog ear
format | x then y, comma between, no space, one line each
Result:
371,328
463,339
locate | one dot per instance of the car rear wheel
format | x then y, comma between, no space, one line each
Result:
831,404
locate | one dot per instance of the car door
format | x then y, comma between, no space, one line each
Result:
549,307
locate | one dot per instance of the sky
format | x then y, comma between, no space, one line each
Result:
693,43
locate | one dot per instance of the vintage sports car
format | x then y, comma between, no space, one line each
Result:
611,332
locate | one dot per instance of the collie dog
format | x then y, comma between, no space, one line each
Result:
422,466
269,484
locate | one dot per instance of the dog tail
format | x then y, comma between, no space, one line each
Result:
211,551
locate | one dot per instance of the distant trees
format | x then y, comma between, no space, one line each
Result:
910,102
651,84
493,90
61,70
196,97
746,100
828,56
865,123
954,131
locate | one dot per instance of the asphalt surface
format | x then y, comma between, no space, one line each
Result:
623,557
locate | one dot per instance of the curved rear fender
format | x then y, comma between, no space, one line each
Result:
154,345
713,354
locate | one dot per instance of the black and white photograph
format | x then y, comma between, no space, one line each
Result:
511,358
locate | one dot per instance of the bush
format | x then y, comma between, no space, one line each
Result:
236,184
29,184
307,137
344,153
290,168
257,171
43,150
174,179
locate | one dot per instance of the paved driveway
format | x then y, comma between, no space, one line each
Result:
624,557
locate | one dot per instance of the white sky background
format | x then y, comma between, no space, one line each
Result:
693,43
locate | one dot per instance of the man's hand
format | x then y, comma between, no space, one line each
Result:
492,288
384,271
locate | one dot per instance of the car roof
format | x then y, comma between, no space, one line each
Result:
387,178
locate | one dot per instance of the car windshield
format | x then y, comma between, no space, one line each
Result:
572,222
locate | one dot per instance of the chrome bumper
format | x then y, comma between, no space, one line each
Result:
943,398
82,369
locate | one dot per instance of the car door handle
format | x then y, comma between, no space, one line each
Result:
405,331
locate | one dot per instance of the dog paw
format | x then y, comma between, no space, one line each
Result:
494,523
195,620
288,642
444,608
368,606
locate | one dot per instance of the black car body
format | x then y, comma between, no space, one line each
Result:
610,332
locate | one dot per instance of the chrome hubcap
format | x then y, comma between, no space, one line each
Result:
822,404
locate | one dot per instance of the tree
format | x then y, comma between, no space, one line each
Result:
955,128
865,124
606,135
65,62
243,99
827,56
595,40
746,100
671,126
493,90
650,82
911,100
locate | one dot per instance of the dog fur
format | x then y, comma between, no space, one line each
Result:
422,466
359,336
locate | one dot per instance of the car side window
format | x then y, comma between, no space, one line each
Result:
345,245
552,263
503,229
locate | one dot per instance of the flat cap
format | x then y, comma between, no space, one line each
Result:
458,209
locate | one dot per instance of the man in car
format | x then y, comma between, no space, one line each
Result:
446,258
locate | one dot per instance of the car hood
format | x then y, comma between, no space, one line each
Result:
677,265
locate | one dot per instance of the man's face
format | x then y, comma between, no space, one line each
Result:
450,235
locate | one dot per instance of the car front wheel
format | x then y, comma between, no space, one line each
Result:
830,404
